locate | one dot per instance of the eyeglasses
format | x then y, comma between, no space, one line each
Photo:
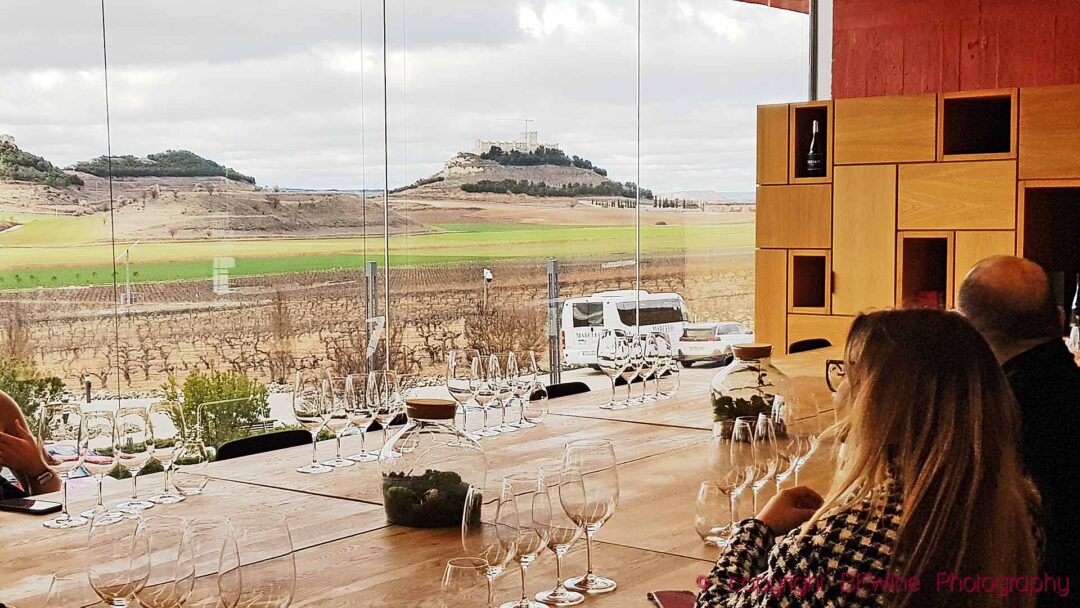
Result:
834,373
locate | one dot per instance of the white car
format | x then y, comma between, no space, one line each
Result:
710,342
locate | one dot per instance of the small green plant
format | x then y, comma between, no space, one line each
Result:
231,403
729,408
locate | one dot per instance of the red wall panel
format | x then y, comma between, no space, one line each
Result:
928,46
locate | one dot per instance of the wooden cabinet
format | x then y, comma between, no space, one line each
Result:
772,144
794,217
814,327
864,233
924,269
975,245
884,130
801,119
969,196
1050,132
770,281
977,125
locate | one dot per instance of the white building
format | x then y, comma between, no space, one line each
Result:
529,142
6,140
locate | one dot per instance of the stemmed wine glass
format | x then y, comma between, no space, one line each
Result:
792,441
382,390
207,538
462,382
612,356
167,439
526,495
338,418
487,532
461,582
505,373
264,571
811,431
310,403
528,373
170,562
60,431
589,492
729,464
667,377
634,366
99,456
361,414
486,390
650,365
133,449
765,453
562,534
534,407
117,558
69,588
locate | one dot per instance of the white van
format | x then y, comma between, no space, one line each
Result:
583,319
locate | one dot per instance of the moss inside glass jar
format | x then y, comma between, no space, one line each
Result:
435,499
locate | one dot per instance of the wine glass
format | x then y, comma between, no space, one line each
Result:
133,449
207,539
635,364
60,432
264,573
792,440
562,534
651,360
667,379
589,492
463,582
171,562
766,455
462,381
69,588
382,386
612,357
117,558
191,464
710,522
486,389
729,462
527,496
811,430
167,440
99,457
534,409
505,375
487,532
361,413
310,404
528,373
338,418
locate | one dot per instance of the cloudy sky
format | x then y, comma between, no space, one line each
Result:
287,92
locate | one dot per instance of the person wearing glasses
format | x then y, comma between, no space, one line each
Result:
1010,302
930,493
21,454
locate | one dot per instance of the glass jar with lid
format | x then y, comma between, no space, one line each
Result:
750,385
428,466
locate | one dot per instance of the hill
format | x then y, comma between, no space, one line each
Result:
171,163
17,165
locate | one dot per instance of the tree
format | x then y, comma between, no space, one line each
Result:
222,405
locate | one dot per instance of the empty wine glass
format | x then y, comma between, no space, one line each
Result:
464,582
310,404
535,409
634,366
612,357
69,588
811,430
99,456
562,534
650,365
766,455
117,558
337,419
505,375
171,562
191,464
711,522
667,372
168,437
60,432
133,449
487,532
528,374
462,382
265,570
486,390
589,492
382,388
729,463
361,414
527,496
207,539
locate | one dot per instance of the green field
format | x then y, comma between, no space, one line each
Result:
57,252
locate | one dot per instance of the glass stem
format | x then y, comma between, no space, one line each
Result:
755,490
314,450
168,478
503,405
588,553
363,450
485,410
63,499
613,378
100,497
558,571
731,506
134,486
490,589
796,476
524,598
337,438
628,392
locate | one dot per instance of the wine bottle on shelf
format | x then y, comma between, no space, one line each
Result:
815,160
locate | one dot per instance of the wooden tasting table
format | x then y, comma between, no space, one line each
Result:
347,555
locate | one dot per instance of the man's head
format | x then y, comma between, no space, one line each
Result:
1009,300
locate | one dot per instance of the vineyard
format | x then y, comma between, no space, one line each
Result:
270,325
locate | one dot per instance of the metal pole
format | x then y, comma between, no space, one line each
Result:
386,190
554,348
371,274
813,50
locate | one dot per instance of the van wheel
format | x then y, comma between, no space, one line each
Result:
687,364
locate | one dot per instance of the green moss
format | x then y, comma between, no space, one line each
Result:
435,499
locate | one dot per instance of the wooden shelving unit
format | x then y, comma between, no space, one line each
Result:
924,273
801,118
1050,230
809,282
977,125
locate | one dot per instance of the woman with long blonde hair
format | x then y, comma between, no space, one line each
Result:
930,506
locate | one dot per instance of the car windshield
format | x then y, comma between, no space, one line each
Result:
729,329
653,312
700,333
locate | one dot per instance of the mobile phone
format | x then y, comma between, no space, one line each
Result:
29,505
672,599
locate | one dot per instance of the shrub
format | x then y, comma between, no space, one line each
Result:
234,403
28,386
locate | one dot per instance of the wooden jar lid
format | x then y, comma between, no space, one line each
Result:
431,409
754,350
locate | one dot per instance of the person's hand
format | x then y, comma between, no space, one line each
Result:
789,509
19,450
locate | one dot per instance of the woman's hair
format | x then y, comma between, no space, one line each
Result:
927,407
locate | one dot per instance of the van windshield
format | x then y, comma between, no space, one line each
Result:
589,314
653,312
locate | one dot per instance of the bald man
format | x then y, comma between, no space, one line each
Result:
1010,302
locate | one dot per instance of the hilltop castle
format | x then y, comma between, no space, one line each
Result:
528,143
